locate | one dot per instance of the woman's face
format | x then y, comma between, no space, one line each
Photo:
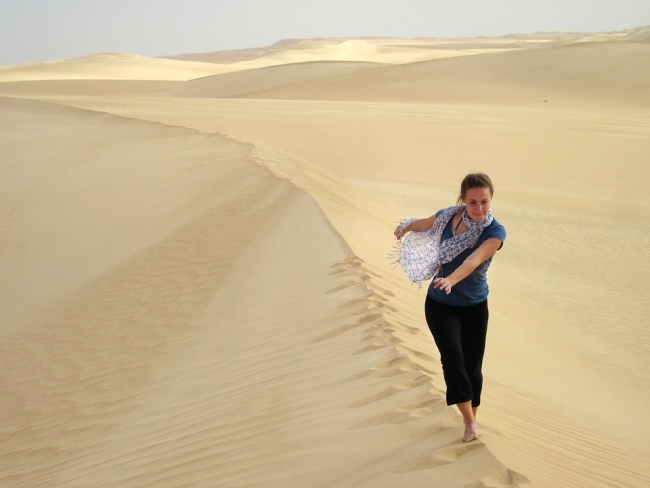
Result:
478,202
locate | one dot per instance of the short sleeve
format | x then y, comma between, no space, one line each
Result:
496,231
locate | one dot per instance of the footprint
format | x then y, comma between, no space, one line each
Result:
376,397
421,409
440,457
379,419
379,289
378,345
393,390
369,317
377,304
337,331
336,271
390,363
505,478
340,287
400,415
420,355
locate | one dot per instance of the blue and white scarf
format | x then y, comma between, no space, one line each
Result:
422,254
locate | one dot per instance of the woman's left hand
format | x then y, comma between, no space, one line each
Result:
443,284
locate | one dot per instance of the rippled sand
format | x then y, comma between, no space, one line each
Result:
195,284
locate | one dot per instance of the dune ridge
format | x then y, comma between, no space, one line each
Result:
120,66
109,66
156,369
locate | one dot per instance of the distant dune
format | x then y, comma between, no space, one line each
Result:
236,55
577,72
249,83
109,66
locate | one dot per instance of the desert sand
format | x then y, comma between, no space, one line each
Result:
195,283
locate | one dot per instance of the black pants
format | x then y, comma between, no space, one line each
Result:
460,334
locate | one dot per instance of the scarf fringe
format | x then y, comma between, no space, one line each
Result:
394,254
422,254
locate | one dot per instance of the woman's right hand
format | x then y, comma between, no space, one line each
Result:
414,225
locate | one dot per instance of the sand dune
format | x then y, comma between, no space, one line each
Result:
242,84
236,55
379,50
220,306
595,72
360,51
564,331
117,66
641,34
110,66
178,337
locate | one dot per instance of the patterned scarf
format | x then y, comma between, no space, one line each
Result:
422,254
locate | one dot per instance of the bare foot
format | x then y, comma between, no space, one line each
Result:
471,433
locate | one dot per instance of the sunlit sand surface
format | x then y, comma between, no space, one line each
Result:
195,289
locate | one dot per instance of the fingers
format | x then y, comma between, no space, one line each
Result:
442,284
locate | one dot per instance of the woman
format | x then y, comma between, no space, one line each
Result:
459,244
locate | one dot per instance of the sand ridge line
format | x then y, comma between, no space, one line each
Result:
406,340
417,406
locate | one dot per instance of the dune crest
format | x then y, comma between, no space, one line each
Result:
203,346
110,66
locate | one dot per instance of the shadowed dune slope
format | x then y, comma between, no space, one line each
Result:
641,34
243,84
580,72
235,55
79,87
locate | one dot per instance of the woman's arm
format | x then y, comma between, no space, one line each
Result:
484,251
419,225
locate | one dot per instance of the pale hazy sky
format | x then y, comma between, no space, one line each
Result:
40,30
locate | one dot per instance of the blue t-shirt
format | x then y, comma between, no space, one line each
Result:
474,288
